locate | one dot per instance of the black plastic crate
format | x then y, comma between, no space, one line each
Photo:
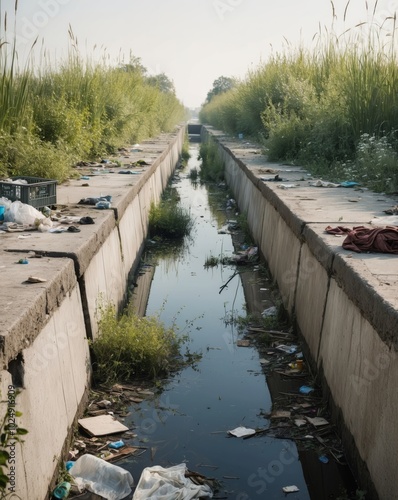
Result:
37,192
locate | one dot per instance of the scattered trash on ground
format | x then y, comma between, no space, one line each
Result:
391,211
320,183
98,202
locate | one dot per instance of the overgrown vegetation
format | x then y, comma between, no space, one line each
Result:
81,110
185,154
168,220
332,108
212,167
130,347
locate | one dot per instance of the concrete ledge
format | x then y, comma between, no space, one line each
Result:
26,308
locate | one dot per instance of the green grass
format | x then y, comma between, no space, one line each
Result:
74,109
130,347
168,220
319,106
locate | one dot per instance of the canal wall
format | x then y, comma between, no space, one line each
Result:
45,327
343,303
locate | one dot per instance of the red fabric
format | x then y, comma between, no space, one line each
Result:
365,239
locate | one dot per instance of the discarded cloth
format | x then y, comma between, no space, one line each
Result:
169,484
364,239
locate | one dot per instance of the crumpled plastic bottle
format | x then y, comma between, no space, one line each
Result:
62,491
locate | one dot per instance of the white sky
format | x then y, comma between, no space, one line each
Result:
192,41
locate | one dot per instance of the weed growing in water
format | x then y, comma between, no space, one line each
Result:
130,347
193,174
168,220
211,261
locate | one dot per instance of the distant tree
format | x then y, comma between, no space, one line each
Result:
134,66
220,85
162,82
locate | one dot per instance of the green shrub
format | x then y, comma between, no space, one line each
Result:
130,347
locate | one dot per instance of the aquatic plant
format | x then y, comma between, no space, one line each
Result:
168,220
129,346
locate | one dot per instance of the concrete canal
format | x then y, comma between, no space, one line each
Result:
231,383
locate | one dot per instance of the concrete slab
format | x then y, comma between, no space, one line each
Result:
26,307
80,247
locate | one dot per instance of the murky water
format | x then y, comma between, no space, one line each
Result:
188,420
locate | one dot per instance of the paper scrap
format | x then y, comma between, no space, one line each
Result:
242,431
290,489
102,425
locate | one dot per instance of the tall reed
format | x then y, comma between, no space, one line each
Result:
313,105
74,109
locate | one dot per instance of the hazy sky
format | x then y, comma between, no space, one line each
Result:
192,41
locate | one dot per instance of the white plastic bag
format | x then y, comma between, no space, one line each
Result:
169,484
100,477
22,213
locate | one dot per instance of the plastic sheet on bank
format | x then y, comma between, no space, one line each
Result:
169,484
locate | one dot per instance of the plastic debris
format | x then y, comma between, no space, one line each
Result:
23,261
102,205
241,432
288,349
349,184
287,186
169,484
94,201
290,489
324,459
116,445
321,183
102,478
305,389
271,311
62,491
